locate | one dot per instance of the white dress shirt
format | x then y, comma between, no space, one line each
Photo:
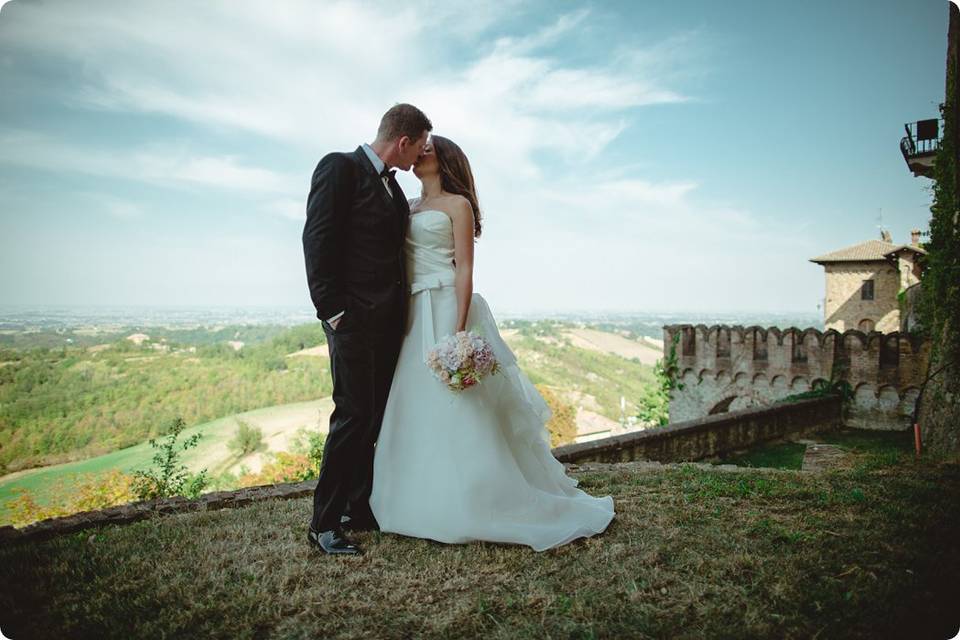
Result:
379,165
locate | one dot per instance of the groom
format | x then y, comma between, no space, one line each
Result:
353,245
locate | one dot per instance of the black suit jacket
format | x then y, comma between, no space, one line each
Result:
353,243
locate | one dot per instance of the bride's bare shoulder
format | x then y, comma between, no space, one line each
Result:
458,205
453,201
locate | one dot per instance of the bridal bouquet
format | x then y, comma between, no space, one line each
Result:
462,360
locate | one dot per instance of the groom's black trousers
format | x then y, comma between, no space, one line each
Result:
362,361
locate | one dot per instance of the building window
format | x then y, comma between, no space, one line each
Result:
866,291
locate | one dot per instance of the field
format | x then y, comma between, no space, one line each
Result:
694,552
646,351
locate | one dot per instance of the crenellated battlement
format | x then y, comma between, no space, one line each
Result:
735,367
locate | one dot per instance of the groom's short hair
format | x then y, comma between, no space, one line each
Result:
403,120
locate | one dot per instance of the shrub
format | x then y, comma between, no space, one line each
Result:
168,477
285,467
247,439
563,424
310,444
654,404
88,492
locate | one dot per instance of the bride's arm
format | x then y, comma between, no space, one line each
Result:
462,218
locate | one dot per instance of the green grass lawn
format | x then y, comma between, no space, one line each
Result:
861,440
789,455
780,455
45,482
694,552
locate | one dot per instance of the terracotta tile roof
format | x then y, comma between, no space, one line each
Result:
908,247
869,251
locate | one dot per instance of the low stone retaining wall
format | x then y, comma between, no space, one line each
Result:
711,436
134,511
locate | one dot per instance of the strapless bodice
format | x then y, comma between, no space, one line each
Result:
429,243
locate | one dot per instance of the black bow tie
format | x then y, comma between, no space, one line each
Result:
387,173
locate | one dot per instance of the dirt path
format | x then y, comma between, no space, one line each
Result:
823,457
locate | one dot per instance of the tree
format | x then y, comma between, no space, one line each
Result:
654,405
246,439
563,424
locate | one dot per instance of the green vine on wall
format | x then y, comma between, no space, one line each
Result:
837,385
668,370
939,307
654,406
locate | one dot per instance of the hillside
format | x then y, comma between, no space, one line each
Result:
694,552
73,403
81,412
70,403
590,376
279,424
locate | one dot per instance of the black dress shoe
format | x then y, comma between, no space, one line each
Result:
332,542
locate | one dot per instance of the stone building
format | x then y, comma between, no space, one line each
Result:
864,282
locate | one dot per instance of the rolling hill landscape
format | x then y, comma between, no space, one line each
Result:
78,402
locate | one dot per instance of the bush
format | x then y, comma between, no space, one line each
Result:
653,408
654,404
86,493
247,439
563,424
286,467
310,444
168,477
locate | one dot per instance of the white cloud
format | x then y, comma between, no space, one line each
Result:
287,208
544,36
563,229
159,164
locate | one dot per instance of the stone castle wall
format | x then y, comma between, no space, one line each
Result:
729,368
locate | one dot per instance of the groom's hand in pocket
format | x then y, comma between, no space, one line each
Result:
334,322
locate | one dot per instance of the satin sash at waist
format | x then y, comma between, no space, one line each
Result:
480,319
436,280
420,288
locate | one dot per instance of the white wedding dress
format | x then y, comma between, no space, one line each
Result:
473,465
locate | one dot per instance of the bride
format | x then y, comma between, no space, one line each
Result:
473,465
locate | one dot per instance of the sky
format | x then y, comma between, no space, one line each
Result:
629,156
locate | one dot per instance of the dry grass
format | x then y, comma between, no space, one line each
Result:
693,553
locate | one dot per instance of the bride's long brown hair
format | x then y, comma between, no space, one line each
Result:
456,176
